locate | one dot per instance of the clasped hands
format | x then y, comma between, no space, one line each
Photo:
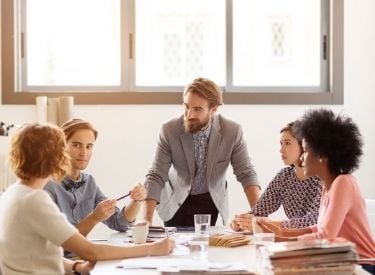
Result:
242,222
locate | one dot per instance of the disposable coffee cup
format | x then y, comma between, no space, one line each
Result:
139,233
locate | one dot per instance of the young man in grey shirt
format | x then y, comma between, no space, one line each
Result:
79,197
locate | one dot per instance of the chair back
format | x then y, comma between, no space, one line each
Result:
370,206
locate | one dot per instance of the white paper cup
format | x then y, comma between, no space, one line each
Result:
139,233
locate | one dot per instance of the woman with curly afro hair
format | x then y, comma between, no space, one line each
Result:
332,147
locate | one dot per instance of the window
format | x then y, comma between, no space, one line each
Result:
66,51
178,41
276,43
146,51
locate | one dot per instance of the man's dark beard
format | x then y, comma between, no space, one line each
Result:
193,125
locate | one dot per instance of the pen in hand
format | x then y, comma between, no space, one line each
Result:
123,197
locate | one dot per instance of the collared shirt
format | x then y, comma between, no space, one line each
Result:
78,199
69,184
200,153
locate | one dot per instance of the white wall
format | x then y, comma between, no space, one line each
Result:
128,133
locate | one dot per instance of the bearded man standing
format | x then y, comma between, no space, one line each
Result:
188,174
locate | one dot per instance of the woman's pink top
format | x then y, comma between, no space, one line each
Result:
343,214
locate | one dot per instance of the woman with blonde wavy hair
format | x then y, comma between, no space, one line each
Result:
32,228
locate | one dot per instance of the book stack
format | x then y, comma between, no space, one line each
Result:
319,256
228,240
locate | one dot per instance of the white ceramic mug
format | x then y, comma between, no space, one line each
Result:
139,233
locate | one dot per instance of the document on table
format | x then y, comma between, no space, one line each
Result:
176,264
158,231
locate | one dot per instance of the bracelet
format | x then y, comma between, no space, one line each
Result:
74,267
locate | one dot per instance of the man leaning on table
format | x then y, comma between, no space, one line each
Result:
188,174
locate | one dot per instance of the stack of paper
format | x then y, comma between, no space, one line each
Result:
228,240
319,256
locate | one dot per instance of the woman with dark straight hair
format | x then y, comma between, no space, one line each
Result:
298,194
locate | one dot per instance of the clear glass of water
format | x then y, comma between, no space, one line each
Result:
199,242
264,238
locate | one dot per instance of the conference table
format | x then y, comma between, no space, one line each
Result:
246,257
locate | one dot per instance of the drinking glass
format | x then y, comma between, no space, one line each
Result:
199,242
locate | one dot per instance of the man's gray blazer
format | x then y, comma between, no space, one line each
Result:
173,170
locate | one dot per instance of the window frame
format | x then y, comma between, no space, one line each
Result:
334,94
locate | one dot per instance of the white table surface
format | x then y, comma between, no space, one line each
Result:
246,254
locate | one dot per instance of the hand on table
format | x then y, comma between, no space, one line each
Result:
270,227
85,267
283,234
162,247
242,222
